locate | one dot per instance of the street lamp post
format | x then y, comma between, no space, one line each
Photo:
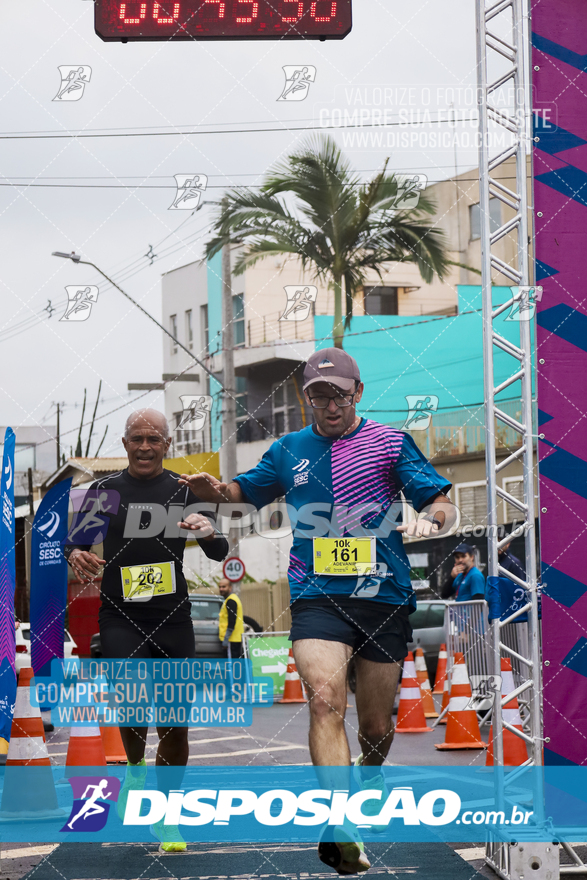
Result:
77,259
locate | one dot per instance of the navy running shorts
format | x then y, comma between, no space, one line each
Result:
377,631
125,638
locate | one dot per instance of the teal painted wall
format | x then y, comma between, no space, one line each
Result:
428,355
214,279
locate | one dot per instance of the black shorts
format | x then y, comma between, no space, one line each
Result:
376,631
125,638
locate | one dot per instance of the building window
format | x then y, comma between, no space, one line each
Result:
243,423
173,331
238,319
475,218
471,499
286,408
185,438
380,300
24,456
514,486
189,329
205,331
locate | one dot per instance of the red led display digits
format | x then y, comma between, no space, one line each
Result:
291,3
254,11
161,19
142,13
211,10
314,12
129,20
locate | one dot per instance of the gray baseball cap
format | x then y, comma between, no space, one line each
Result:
332,365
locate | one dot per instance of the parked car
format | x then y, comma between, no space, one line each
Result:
205,611
428,632
23,646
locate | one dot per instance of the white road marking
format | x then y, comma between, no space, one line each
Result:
269,750
43,849
472,854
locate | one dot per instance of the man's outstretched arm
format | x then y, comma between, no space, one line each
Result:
208,488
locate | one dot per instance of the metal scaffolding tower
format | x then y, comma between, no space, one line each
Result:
503,66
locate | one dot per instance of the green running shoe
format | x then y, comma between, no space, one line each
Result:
169,838
134,780
376,782
341,848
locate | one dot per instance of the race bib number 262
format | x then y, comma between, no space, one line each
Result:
140,583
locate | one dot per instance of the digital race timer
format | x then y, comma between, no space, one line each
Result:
222,19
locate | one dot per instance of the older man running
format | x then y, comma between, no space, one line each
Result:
141,506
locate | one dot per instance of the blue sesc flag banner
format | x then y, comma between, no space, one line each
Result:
49,578
7,585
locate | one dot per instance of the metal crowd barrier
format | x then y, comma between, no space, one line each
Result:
468,631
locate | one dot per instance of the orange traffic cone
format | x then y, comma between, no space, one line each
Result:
410,713
111,740
445,700
113,745
27,748
462,727
440,671
292,691
514,748
85,748
423,681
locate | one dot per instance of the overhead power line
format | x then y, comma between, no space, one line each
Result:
183,133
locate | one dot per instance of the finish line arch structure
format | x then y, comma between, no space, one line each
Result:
540,52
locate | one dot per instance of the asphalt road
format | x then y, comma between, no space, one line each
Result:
279,735
426,861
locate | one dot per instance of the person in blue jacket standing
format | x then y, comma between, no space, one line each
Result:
468,582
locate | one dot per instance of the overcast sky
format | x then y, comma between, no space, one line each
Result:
402,57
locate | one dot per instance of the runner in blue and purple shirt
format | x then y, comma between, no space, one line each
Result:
343,479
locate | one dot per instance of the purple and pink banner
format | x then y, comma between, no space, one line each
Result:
7,585
559,73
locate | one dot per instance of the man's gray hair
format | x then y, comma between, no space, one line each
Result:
159,421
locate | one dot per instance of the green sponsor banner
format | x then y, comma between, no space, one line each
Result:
268,656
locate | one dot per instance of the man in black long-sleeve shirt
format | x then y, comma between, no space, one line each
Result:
145,607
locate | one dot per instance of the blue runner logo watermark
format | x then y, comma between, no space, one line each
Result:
90,806
420,409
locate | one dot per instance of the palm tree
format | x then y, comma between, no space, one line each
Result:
339,227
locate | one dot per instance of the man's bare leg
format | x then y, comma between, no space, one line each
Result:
322,666
375,695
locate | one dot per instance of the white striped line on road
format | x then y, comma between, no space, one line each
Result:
472,854
269,750
220,754
43,849
192,742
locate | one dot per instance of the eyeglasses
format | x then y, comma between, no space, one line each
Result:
340,400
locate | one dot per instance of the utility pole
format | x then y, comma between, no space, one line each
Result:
31,492
228,380
58,437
